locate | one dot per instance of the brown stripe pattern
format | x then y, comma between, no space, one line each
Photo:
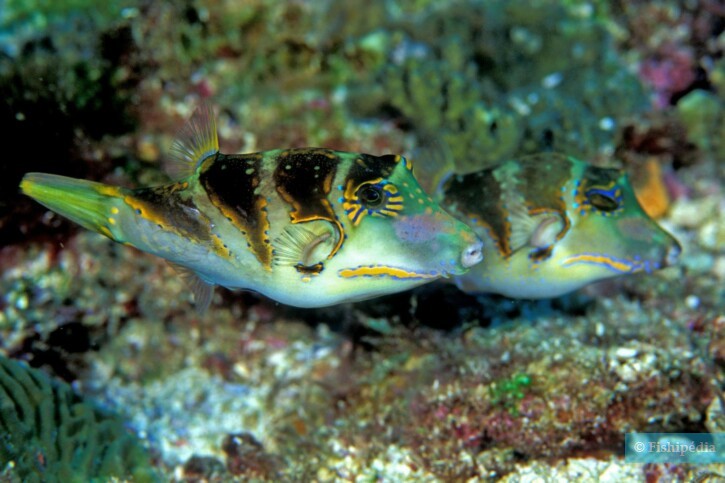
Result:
231,182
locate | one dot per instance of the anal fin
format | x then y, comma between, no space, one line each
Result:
203,291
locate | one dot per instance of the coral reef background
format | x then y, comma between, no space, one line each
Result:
426,385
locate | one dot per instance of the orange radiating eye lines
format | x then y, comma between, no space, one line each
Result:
356,209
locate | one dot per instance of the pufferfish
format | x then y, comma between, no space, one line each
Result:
307,227
552,224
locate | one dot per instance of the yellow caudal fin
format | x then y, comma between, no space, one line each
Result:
87,203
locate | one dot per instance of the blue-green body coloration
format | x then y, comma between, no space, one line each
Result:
307,227
552,224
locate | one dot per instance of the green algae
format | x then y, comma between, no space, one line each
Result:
48,433
71,55
509,391
67,74
703,115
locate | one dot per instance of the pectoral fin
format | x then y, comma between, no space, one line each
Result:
548,228
203,291
538,231
522,227
305,244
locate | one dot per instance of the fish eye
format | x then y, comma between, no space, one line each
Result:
371,195
378,198
602,200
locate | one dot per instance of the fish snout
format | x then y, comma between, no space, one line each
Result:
672,254
472,254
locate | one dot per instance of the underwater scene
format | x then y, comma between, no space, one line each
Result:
362,240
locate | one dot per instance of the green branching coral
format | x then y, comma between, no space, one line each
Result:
459,130
48,433
703,115
501,78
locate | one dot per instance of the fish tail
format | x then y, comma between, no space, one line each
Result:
90,204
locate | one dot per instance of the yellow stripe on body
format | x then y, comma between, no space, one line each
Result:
382,271
145,211
617,265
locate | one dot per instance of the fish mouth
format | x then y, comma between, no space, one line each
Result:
615,264
472,254
673,254
396,273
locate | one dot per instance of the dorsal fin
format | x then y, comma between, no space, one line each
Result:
195,142
203,291
433,163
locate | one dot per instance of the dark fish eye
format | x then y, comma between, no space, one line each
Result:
602,200
371,195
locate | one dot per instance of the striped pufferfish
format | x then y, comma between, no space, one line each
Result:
307,227
552,224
